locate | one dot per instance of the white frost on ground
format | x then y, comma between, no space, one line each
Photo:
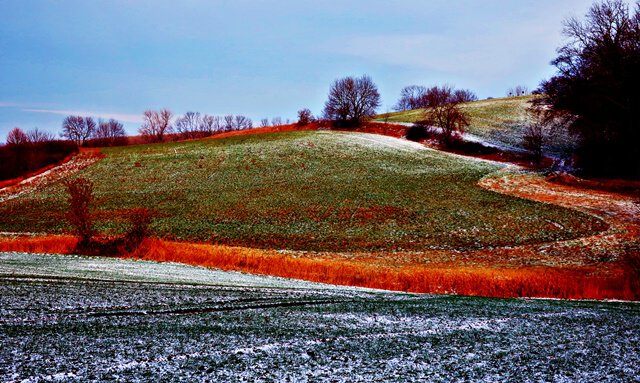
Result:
153,327
75,266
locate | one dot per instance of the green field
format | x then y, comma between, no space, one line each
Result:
500,121
324,191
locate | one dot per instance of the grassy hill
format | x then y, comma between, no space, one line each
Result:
500,121
309,190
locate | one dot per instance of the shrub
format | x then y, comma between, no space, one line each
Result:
140,219
80,198
418,132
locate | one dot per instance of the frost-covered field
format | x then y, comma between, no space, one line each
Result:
65,318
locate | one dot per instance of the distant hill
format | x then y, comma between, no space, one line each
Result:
500,121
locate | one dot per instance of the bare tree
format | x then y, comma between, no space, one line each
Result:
80,200
305,117
352,100
110,133
464,95
228,122
445,113
411,97
595,89
534,138
264,122
387,114
189,125
78,129
276,121
17,137
210,124
522,90
156,124
37,135
439,95
242,122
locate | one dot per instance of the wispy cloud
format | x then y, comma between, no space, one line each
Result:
4,104
137,118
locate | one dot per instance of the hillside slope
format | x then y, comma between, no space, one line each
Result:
500,121
324,191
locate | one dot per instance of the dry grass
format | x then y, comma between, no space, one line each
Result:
56,244
543,282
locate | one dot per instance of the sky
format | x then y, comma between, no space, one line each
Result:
116,59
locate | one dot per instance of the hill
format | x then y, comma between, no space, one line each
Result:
500,121
304,190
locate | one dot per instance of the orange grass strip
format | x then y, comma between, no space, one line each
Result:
53,244
541,282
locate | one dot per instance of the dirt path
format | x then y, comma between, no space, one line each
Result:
85,158
620,212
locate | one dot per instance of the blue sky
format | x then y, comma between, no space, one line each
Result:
258,58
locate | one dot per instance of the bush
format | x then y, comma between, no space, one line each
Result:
418,132
79,215
140,220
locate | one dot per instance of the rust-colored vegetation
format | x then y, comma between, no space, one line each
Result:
54,244
617,281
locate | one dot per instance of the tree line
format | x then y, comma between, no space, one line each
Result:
418,96
29,151
158,124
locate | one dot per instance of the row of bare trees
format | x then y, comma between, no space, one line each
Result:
275,121
418,96
29,151
80,130
77,129
518,90
157,124
18,136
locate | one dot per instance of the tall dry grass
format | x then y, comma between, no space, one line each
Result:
53,244
542,282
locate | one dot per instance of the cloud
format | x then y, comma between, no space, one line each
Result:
136,118
7,104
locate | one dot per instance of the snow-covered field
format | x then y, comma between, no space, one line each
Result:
65,318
